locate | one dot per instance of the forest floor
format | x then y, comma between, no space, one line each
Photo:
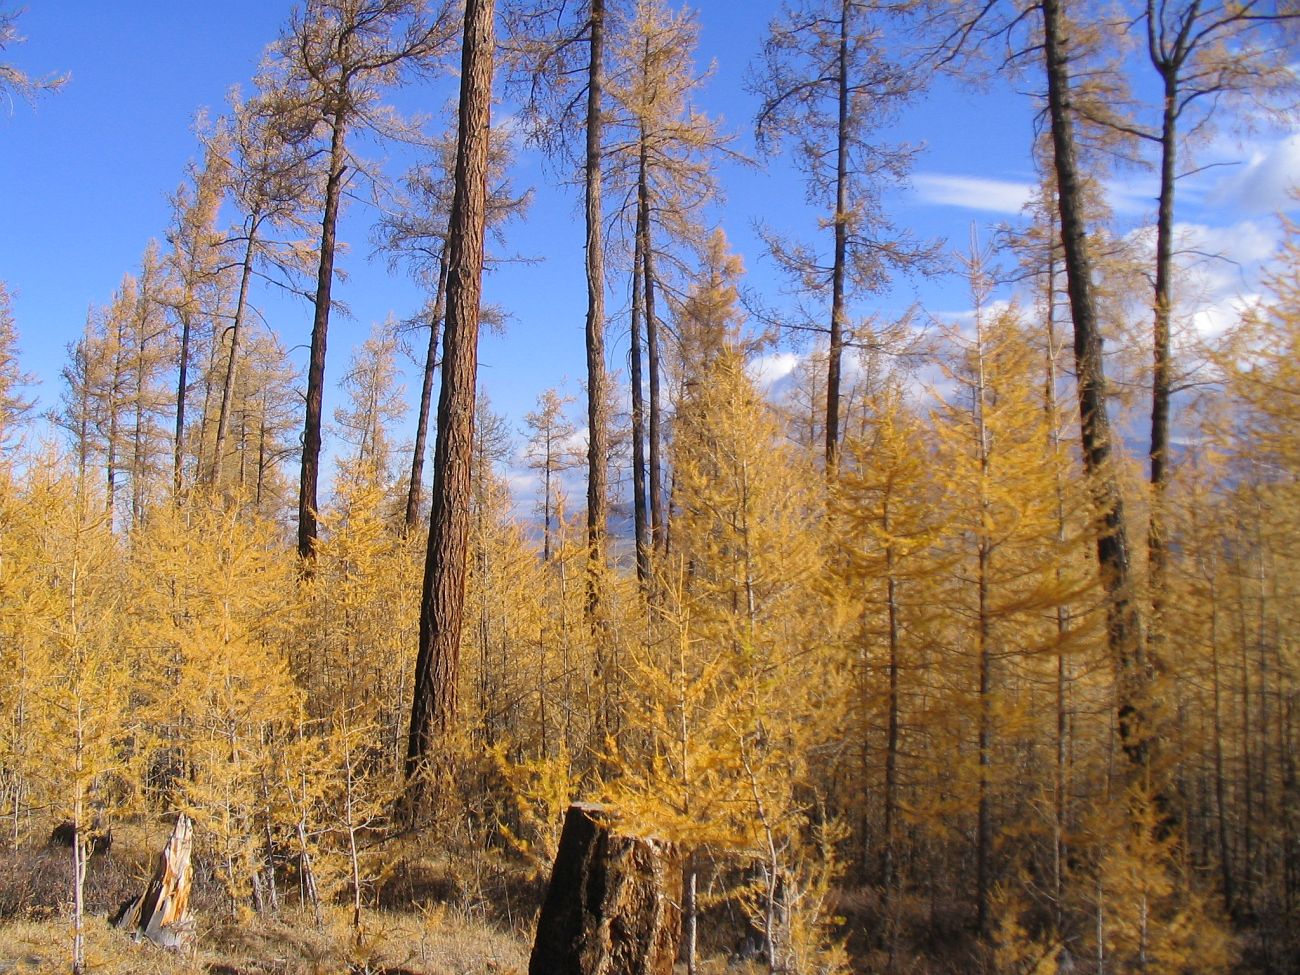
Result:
426,919
433,935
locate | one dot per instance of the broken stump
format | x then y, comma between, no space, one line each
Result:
611,907
161,913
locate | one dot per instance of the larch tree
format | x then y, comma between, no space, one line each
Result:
660,157
743,562
828,84
442,600
153,352
212,601
996,448
375,401
892,524
1202,53
554,47
1124,623
335,59
14,405
194,263
1064,45
550,453
270,185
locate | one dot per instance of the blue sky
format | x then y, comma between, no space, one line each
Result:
85,173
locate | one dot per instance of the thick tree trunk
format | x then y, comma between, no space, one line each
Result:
611,907
426,399
1123,625
311,436
442,603
161,913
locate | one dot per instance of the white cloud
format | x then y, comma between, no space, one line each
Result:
767,370
1212,319
973,192
1134,195
1218,269
1265,182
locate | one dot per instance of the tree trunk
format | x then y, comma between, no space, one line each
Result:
658,517
611,906
182,381
639,512
442,602
426,399
836,351
1160,372
232,362
1123,626
597,435
311,436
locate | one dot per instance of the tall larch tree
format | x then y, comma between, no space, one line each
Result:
442,600
270,185
1202,53
336,58
661,155
554,47
1061,45
195,264
828,84
742,572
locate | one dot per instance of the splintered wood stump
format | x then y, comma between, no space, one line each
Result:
161,913
611,906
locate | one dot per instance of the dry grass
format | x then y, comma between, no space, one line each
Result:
432,942
442,928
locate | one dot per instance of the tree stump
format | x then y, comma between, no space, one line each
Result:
161,913
611,905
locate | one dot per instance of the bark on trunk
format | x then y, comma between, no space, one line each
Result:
658,517
1123,626
182,381
426,400
311,437
597,436
1160,369
442,604
836,351
232,361
611,907
639,512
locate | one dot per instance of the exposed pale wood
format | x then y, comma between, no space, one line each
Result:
161,913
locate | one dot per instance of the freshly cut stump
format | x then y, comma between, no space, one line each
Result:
161,913
611,906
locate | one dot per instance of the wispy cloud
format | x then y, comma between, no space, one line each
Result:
1267,180
972,192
